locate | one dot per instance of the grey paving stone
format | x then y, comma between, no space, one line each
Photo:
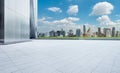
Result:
61,56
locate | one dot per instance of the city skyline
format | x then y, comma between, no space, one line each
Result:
73,14
86,32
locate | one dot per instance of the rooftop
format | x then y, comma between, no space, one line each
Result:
61,56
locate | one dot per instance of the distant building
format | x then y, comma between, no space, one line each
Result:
94,34
89,32
84,30
41,35
107,32
78,32
113,32
58,33
70,33
99,32
118,34
63,33
52,33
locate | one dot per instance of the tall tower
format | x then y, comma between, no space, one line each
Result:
107,32
118,34
113,32
84,30
99,32
78,32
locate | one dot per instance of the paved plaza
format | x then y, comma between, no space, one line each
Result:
61,56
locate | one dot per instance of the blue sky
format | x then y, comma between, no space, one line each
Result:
52,13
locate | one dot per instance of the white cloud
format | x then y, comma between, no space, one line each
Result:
105,20
73,18
65,23
102,8
73,10
118,21
55,9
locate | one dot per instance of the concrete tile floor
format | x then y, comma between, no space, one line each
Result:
61,56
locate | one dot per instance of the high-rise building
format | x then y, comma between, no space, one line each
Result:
58,33
113,32
89,32
84,29
18,20
107,32
118,34
99,31
63,32
52,33
78,32
70,33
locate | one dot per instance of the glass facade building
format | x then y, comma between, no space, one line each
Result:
18,20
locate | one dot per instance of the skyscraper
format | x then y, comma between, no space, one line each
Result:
78,32
84,30
70,33
52,33
17,20
113,32
89,32
63,32
118,34
107,32
99,31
